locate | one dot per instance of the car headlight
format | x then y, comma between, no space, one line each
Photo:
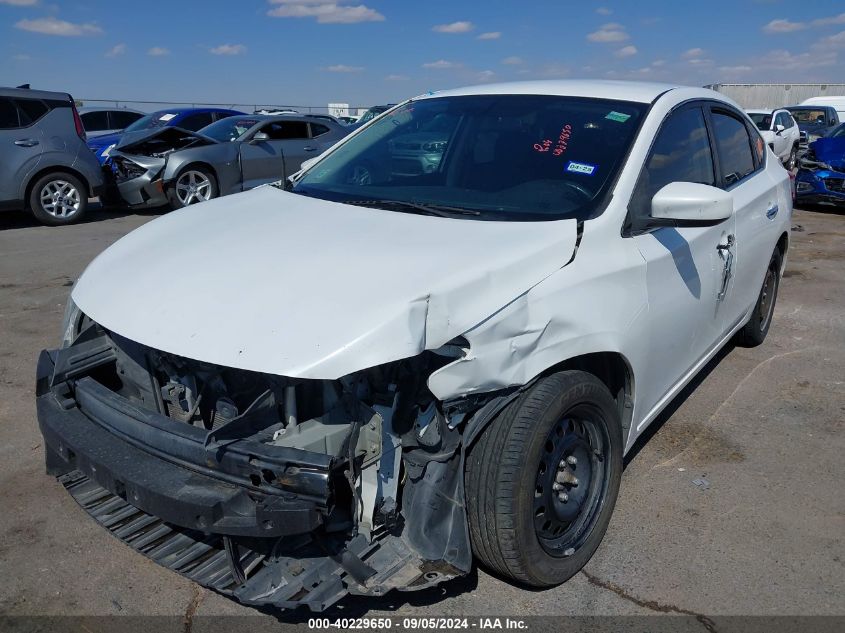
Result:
70,322
108,150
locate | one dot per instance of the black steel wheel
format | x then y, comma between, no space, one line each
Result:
542,479
754,332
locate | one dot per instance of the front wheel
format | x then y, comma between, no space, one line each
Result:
792,160
754,332
193,184
542,480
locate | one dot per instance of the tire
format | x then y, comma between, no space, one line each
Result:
754,332
193,184
792,160
510,472
58,198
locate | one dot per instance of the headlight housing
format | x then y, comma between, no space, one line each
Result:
70,322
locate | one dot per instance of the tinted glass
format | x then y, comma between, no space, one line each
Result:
734,147
195,122
8,114
286,130
681,153
317,129
520,157
156,119
120,120
31,110
95,121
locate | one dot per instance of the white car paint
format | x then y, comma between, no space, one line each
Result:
308,288
783,141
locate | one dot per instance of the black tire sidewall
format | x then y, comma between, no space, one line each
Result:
753,334
546,569
175,203
35,199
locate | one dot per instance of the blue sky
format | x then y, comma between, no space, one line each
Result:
310,52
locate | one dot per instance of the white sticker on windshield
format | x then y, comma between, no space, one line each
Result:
166,117
581,168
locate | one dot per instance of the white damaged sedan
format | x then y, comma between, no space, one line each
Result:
434,343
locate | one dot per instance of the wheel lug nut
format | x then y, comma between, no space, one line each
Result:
556,486
572,460
563,497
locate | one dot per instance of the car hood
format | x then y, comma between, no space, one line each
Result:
160,137
285,284
830,151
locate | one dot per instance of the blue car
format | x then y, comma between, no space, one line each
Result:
821,177
192,119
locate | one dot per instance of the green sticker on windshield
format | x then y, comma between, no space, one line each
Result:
619,117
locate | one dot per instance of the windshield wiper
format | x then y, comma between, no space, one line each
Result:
439,210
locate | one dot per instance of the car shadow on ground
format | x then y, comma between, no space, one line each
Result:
95,213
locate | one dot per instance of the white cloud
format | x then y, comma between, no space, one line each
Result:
54,26
454,27
228,49
611,32
343,68
490,35
485,75
832,41
397,78
21,57
834,19
692,53
513,60
604,11
20,3
700,61
783,26
324,12
158,51
440,64
644,70
116,50
626,51
735,70
658,62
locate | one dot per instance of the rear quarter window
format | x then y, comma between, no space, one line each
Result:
8,114
31,110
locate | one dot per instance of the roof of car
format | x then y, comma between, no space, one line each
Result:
33,94
636,91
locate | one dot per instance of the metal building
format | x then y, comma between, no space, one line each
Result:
776,95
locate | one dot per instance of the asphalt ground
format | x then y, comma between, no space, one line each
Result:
732,505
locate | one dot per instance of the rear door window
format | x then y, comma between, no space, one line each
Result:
318,130
734,147
287,130
8,115
95,121
121,120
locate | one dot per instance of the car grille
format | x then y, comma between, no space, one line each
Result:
835,184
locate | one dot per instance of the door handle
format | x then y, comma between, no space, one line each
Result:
772,211
26,142
310,149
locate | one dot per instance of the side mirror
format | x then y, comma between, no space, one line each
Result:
258,137
779,128
692,202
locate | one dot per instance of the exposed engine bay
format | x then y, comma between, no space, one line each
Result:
332,486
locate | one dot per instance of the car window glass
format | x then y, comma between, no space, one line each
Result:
8,115
318,130
31,110
95,121
120,120
681,153
734,147
285,130
762,120
195,122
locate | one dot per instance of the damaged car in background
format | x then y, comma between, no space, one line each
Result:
174,166
821,174
362,384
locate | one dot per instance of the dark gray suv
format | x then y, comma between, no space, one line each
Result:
45,165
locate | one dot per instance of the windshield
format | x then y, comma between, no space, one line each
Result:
762,120
229,129
156,119
809,116
518,157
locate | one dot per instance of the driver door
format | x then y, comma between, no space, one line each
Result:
262,160
685,266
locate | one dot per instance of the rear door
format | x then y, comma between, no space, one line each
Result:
21,143
742,171
685,266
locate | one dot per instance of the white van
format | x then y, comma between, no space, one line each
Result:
837,103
